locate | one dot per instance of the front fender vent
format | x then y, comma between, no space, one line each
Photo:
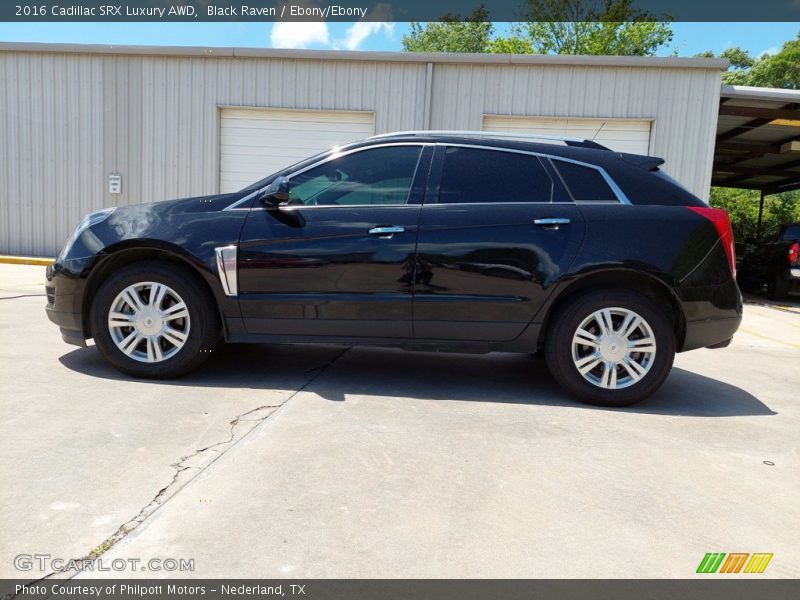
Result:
226,269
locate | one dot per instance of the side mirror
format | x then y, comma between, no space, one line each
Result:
276,193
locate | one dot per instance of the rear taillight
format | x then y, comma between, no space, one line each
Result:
794,252
722,224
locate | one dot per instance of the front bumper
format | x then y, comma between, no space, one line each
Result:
64,303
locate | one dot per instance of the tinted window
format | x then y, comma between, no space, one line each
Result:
792,232
585,183
472,175
371,177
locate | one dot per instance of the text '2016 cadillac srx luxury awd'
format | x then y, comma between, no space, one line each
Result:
448,241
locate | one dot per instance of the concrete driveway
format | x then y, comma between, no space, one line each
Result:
324,462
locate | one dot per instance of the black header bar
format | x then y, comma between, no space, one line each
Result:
381,10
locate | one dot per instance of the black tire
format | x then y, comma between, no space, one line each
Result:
778,287
203,334
565,323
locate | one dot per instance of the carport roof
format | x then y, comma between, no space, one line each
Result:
758,139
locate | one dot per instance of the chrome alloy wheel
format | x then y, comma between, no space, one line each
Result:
613,348
149,322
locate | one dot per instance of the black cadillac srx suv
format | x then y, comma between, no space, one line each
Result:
448,241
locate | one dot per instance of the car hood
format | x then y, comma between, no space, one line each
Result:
193,204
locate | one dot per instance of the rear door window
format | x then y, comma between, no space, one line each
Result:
474,175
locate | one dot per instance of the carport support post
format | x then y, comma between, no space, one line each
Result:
760,216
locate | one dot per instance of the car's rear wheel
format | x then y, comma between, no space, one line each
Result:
748,285
610,347
778,287
154,320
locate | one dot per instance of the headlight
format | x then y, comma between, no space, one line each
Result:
87,221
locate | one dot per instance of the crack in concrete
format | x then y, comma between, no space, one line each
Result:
186,473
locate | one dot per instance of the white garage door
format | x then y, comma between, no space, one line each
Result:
622,135
255,142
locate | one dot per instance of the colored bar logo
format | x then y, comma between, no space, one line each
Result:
734,562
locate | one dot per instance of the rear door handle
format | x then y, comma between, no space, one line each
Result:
386,230
551,222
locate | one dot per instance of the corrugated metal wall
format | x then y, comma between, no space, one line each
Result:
68,120
683,104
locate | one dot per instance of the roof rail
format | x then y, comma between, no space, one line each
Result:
570,141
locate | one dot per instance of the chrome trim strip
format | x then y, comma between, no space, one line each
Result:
334,155
227,269
247,198
621,197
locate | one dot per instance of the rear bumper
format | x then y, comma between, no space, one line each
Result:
710,333
712,314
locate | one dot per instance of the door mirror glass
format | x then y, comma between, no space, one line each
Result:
276,193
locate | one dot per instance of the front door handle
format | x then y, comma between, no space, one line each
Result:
386,231
551,222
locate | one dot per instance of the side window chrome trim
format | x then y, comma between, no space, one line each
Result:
248,198
329,158
621,197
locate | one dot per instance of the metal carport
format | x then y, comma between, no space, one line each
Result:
758,141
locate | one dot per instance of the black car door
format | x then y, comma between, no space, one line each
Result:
495,233
337,259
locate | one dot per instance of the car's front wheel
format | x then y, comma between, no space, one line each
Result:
153,320
610,347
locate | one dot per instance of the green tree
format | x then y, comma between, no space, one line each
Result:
550,27
612,27
779,70
451,34
742,207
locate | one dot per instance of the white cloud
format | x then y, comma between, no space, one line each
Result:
299,35
360,31
772,50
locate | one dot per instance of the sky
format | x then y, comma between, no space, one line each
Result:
689,38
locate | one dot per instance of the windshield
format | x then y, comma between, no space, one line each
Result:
791,233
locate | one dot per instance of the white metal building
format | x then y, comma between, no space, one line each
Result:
175,122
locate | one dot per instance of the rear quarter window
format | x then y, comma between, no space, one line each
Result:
585,183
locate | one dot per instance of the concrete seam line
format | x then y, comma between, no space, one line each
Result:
766,337
22,296
177,483
26,260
